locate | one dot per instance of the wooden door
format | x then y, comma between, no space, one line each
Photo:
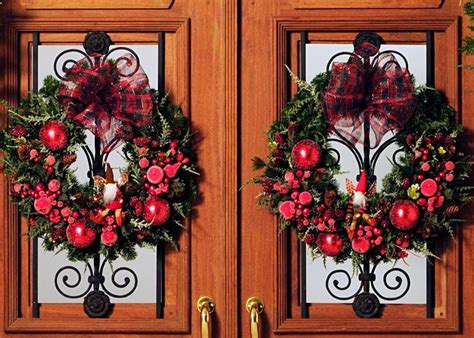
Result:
271,264
200,75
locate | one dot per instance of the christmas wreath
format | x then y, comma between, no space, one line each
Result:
112,99
360,101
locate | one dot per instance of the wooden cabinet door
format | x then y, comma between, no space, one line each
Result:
271,264
200,75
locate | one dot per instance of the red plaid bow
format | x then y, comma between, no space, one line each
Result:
106,96
382,93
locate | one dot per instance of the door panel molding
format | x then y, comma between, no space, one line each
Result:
17,248
367,4
93,4
396,318
231,160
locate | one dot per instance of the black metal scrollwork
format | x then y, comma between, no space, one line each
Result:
65,281
126,281
96,302
336,283
365,303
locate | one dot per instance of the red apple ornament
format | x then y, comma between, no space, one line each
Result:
305,198
287,209
306,154
428,187
156,211
155,174
79,235
329,244
54,135
109,238
360,245
43,205
404,214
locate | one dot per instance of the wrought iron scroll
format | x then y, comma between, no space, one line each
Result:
366,303
68,278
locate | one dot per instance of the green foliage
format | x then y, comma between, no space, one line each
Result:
168,126
433,121
468,42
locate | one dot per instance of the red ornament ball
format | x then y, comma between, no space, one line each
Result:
109,238
404,214
361,245
287,209
329,244
429,187
305,198
43,205
156,211
155,174
79,235
54,135
306,154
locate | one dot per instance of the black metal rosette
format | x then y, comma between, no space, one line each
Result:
97,43
97,304
359,100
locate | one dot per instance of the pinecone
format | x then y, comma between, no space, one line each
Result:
18,130
133,201
329,197
58,234
23,151
139,209
68,158
451,210
383,205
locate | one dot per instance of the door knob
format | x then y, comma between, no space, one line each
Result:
254,306
205,306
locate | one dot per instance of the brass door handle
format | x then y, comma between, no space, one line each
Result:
205,306
254,306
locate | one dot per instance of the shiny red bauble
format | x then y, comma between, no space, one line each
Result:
109,238
404,214
306,154
360,245
53,135
79,235
156,211
329,244
43,205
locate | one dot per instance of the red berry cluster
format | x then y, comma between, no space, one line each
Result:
46,201
403,241
158,166
365,232
299,207
433,170
18,130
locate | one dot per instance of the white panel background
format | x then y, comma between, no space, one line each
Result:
49,262
317,56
